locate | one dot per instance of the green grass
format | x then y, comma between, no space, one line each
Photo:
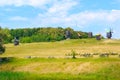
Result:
56,76
60,69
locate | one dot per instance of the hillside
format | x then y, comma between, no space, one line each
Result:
61,48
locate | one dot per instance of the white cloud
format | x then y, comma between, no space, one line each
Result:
82,18
102,17
61,6
18,18
57,13
34,3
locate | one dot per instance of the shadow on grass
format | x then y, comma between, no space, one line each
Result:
4,60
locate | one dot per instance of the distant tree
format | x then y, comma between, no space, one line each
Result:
2,35
39,34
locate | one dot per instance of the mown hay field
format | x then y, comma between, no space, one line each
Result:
60,48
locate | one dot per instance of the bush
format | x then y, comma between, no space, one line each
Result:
73,54
26,40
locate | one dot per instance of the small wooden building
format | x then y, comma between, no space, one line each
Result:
67,34
90,34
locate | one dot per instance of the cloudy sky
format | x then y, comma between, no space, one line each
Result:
95,16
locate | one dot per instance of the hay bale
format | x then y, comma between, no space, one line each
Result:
104,55
98,37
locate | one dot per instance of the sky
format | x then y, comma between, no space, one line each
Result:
95,16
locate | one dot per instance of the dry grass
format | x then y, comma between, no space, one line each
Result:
70,66
59,49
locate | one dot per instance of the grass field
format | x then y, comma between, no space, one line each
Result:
59,49
60,69
40,66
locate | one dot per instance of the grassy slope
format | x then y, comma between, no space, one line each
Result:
52,68
59,49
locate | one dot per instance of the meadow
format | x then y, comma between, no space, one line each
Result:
50,61
60,48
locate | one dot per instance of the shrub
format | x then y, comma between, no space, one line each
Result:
73,54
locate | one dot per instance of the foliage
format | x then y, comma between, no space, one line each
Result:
73,54
3,34
2,49
28,35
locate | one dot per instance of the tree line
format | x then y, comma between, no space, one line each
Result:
48,34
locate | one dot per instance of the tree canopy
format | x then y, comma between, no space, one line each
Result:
28,35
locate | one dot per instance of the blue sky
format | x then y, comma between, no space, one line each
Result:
84,15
